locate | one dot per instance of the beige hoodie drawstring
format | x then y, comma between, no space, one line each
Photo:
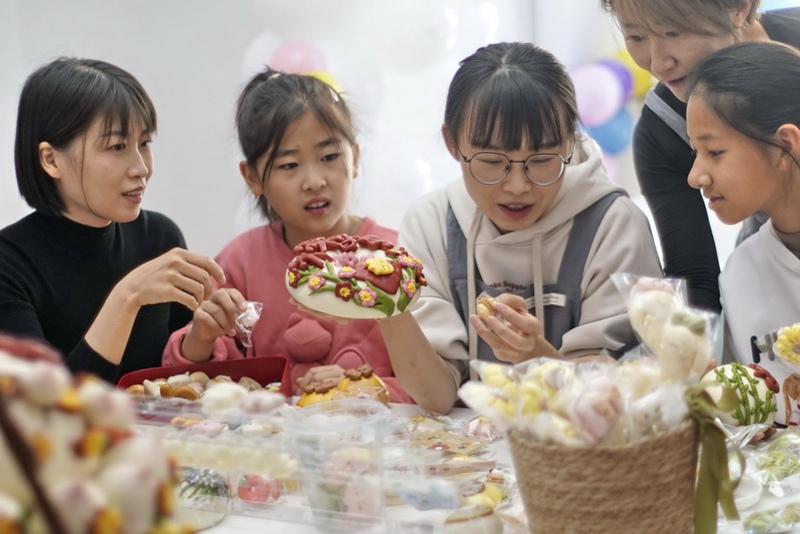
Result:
472,338
538,286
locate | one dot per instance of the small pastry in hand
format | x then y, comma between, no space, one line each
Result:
485,307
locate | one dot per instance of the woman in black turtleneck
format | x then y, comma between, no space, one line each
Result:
89,271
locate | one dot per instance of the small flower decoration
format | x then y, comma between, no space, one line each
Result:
346,259
294,277
367,297
410,262
344,291
379,266
410,287
788,344
346,272
315,282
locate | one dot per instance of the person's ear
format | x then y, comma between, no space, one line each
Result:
741,13
252,178
450,143
789,138
50,161
356,159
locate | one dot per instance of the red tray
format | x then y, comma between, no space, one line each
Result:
262,369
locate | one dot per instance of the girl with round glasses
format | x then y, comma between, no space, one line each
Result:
534,221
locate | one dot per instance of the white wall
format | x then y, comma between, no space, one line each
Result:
193,57
393,59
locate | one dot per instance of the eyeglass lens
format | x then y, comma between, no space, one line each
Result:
491,168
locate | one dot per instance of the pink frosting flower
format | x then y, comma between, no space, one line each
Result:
409,261
346,259
410,287
367,297
346,272
315,282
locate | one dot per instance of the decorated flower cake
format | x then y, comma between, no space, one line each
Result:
361,277
756,389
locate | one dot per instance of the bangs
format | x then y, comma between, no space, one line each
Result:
699,17
124,106
339,125
505,114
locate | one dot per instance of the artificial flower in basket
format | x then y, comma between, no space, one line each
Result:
613,447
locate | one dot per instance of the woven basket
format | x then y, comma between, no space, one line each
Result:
647,486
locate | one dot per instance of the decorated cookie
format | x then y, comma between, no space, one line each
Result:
363,382
319,391
756,389
362,277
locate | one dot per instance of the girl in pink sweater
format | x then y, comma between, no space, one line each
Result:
301,158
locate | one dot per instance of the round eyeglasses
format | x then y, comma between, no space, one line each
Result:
490,168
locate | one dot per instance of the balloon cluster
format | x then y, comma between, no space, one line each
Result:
602,90
302,57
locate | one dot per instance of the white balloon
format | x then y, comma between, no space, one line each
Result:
395,171
311,19
408,35
363,84
258,53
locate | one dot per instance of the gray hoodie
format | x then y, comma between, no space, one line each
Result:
531,257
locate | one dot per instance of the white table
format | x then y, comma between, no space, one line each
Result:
430,522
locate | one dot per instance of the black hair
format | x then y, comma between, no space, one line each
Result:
506,94
270,102
752,86
59,103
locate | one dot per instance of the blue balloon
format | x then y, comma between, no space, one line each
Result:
614,135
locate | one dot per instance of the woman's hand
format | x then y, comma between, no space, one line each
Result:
519,340
322,372
175,276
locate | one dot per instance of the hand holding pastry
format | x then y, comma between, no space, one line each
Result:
514,334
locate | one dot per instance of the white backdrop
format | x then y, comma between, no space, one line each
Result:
393,59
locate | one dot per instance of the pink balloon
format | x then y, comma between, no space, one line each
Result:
599,93
298,57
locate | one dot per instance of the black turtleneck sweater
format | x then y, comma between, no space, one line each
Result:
663,161
55,275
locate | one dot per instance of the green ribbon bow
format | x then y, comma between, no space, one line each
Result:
714,482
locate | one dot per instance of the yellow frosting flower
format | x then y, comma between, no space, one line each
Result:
379,266
788,344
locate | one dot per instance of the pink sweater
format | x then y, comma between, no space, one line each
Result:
255,264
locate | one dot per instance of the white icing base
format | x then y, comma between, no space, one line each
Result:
328,303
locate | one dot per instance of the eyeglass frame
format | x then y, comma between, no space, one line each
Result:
564,163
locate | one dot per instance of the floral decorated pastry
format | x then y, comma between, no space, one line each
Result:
362,277
756,389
